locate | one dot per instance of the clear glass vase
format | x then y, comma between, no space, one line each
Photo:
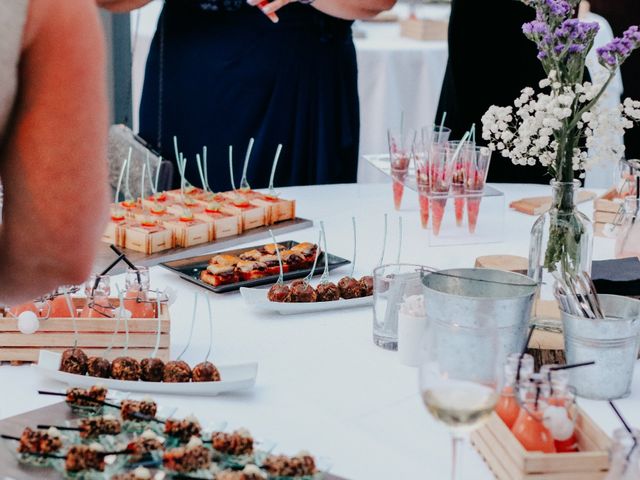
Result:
561,244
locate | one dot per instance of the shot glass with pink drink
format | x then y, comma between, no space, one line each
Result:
400,151
440,173
457,181
429,136
475,173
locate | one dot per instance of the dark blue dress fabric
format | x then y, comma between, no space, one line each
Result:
220,72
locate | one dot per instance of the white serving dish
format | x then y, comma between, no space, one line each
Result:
256,298
234,377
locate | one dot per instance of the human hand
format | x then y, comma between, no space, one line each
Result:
270,8
121,6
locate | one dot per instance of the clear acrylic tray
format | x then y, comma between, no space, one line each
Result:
490,215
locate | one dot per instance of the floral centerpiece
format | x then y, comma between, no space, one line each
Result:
564,127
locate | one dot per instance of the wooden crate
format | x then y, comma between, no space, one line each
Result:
508,460
94,336
605,209
424,29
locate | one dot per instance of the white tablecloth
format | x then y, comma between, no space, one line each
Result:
396,75
322,384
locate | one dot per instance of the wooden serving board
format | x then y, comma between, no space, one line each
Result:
57,413
106,256
539,205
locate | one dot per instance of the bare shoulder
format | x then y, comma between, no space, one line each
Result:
62,21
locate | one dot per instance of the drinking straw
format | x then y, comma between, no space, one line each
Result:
444,116
473,133
107,270
275,245
127,261
274,166
193,321
384,241
622,420
460,145
575,365
233,183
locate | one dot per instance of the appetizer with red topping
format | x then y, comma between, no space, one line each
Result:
40,442
190,458
184,429
301,465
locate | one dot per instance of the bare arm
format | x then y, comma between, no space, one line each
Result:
53,166
121,6
347,9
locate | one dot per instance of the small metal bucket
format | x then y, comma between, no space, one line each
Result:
612,343
472,297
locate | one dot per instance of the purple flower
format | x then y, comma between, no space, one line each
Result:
559,8
632,34
535,28
618,50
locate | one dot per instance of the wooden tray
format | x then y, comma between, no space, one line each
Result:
57,413
94,336
508,460
105,255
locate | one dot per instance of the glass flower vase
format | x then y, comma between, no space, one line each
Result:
561,244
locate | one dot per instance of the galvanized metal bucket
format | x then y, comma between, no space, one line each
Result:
473,297
612,343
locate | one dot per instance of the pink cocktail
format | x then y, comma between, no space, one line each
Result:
440,174
400,157
476,170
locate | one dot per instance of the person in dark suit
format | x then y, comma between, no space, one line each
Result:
490,62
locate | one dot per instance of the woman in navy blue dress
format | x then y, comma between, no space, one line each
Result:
220,72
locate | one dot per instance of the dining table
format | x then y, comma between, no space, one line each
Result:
322,384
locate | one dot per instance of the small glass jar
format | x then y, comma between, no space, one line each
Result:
625,455
561,414
628,238
518,369
97,290
529,427
136,297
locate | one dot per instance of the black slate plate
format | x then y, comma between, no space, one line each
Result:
189,269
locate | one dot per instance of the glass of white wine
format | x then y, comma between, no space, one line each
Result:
460,376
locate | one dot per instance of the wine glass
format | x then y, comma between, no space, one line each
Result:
460,375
